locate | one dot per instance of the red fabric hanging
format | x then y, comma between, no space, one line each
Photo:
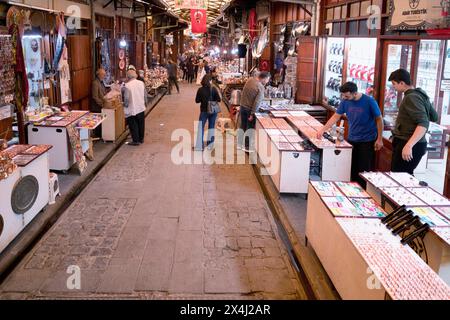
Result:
198,20
19,68
252,23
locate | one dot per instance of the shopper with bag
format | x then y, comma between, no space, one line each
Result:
209,100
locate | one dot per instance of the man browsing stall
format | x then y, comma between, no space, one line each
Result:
365,128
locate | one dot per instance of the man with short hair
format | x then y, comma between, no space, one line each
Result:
135,100
413,120
172,72
251,98
99,92
365,128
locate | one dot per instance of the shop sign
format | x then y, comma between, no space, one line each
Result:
416,15
191,4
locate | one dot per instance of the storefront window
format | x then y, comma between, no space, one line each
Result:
334,70
398,56
447,61
427,71
361,63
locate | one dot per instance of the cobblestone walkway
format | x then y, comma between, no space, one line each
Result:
147,228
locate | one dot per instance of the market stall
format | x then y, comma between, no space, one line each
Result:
283,153
24,186
156,79
294,134
391,190
68,133
362,257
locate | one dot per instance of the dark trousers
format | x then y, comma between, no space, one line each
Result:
211,119
400,165
363,159
190,77
136,124
173,80
246,125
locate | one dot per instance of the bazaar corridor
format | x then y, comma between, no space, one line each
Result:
148,228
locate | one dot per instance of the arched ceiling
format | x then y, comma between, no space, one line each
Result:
214,7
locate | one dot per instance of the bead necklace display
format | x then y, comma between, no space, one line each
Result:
430,216
402,273
352,190
401,196
445,211
378,179
430,197
404,179
340,206
326,189
368,208
443,233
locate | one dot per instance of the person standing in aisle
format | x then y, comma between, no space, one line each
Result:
99,92
365,128
413,120
172,72
251,98
183,68
205,94
206,67
134,101
190,68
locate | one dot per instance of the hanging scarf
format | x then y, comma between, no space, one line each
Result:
19,68
60,42
75,142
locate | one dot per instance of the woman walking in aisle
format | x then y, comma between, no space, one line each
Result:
206,94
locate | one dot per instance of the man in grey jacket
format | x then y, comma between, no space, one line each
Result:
251,98
98,91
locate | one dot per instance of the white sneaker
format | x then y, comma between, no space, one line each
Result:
248,150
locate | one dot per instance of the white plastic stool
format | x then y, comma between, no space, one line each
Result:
53,188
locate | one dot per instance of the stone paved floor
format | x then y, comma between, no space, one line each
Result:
147,228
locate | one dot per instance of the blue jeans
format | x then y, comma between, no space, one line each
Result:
211,118
246,125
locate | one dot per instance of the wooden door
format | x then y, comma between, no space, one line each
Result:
81,70
307,69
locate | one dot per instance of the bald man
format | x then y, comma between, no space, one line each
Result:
98,91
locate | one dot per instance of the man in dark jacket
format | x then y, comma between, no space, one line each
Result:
172,72
413,120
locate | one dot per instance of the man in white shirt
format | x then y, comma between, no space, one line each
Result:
135,100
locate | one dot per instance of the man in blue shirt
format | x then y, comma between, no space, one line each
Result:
365,128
